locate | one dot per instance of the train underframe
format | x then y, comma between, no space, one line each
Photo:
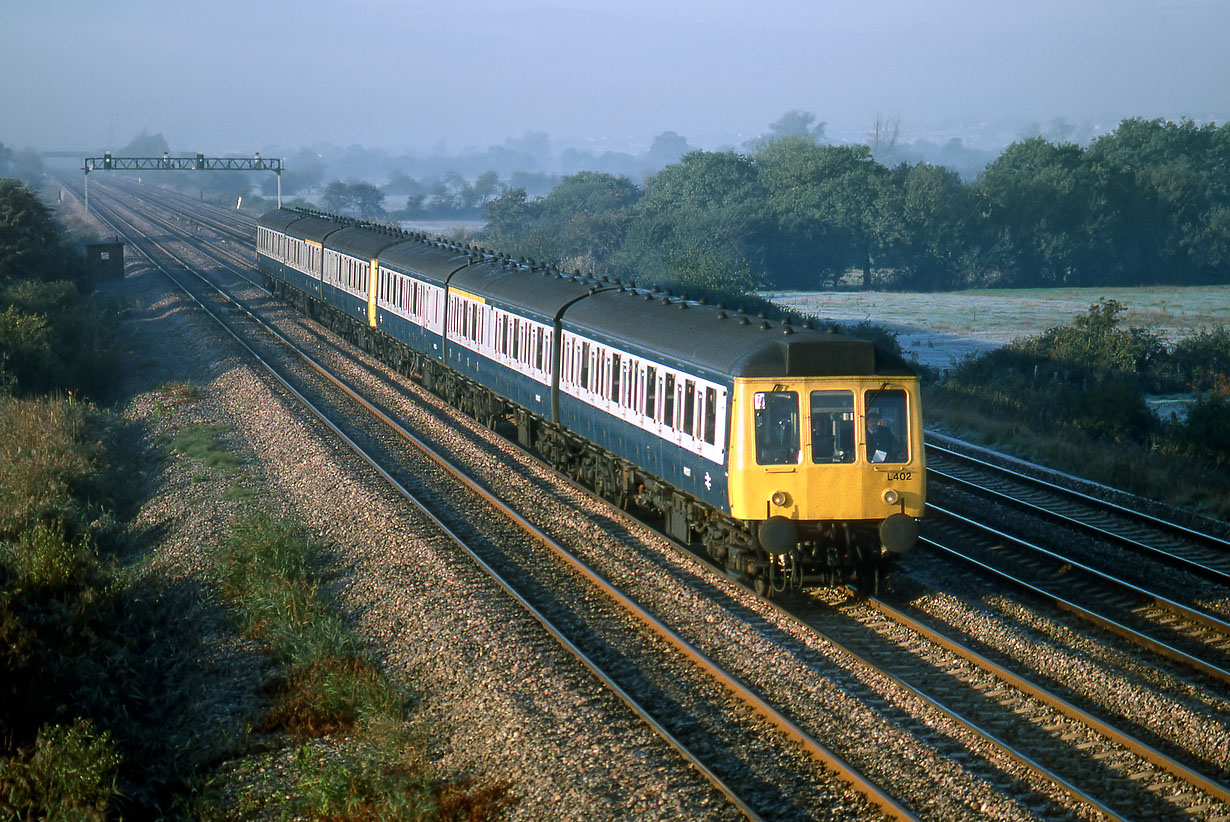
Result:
825,554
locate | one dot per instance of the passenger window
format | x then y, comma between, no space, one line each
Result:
689,407
832,427
777,427
651,392
886,426
668,404
710,415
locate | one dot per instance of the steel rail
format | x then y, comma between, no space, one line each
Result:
970,725
736,687
1123,510
1102,621
1194,614
1131,743
1067,519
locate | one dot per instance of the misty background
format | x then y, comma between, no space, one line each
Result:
551,87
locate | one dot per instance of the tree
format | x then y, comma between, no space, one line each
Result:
1176,177
31,246
337,198
711,202
1035,203
833,209
508,217
930,249
797,123
368,200
145,145
667,148
582,221
486,186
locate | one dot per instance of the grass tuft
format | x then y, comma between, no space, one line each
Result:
204,442
68,774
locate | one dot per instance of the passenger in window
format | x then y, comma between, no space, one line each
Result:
882,443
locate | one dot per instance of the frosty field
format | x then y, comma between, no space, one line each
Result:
941,328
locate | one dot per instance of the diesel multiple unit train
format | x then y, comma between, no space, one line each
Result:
792,456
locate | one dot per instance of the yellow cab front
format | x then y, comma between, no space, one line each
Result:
826,449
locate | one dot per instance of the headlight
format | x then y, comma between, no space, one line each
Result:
780,499
891,497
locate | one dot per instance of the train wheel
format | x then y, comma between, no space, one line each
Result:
760,584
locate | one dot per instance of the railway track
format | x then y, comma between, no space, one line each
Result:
1135,530
670,685
1037,778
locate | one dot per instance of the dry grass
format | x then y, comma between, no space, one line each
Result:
45,456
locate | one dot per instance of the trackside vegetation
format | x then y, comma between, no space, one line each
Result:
107,709
1075,398
327,689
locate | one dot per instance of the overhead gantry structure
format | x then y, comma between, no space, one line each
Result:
167,163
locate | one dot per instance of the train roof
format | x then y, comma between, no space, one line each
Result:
643,321
430,259
363,242
312,228
539,293
724,341
279,219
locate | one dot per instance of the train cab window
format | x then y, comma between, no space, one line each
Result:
832,427
777,427
886,426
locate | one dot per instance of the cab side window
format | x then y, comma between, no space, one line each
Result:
777,427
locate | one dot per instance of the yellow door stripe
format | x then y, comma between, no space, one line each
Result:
371,295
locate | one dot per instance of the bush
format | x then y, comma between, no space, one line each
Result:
1205,432
68,774
1200,362
53,338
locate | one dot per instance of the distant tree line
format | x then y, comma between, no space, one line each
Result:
1146,203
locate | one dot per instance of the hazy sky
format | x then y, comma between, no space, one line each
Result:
227,75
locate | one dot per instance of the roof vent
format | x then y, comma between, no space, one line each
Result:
765,326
